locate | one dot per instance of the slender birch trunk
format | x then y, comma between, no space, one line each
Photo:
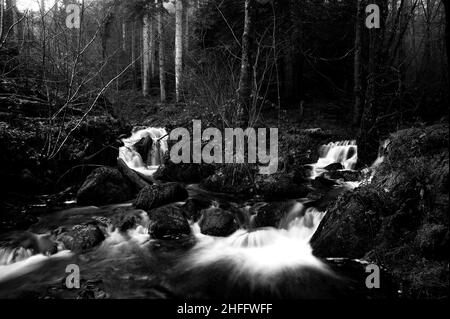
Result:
178,48
133,52
245,78
145,54
2,13
124,35
152,49
161,57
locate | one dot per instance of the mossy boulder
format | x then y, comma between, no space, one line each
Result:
157,195
105,185
183,172
168,222
232,178
217,222
81,238
279,186
400,220
271,214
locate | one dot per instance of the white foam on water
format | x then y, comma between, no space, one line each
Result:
265,251
30,264
11,255
343,152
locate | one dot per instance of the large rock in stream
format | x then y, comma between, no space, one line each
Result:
279,186
400,220
193,207
217,222
183,172
81,238
232,179
168,222
271,214
160,194
105,185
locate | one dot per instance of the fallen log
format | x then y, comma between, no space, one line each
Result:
132,175
146,178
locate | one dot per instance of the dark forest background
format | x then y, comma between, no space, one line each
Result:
307,55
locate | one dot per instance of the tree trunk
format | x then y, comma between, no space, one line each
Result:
178,48
145,54
2,12
357,66
162,69
11,17
447,36
367,139
296,38
288,72
133,53
186,27
245,78
124,35
152,49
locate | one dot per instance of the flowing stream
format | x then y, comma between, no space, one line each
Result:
251,262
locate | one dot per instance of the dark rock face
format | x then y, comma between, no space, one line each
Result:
157,195
348,229
272,214
302,174
182,172
217,222
346,175
193,207
334,167
23,168
432,240
323,182
105,185
143,147
232,178
401,218
168,222
279,186
125,220
81,237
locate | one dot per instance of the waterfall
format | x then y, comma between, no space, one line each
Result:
144,150
345,152
11,255
263,251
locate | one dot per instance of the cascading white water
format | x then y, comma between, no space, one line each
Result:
129,154
11,255
265,251
343,152
17,265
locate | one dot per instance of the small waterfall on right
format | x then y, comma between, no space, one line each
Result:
342,152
